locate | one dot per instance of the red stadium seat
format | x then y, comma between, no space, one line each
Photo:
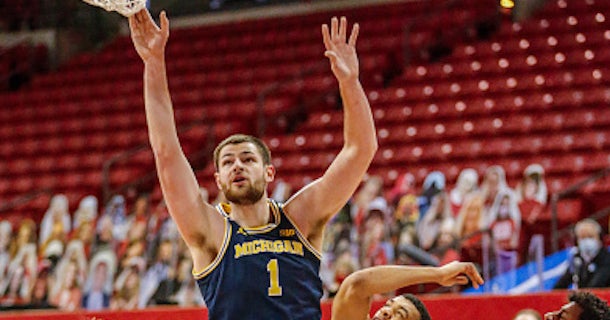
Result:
469,149
499,147
596,161
317,121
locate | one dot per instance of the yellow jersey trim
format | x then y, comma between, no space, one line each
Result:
306,242
219,256
225,209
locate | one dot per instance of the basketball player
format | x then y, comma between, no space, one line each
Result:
582,305
252,251
354,297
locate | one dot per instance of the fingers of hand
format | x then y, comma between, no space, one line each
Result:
140,16
474,275
334,28
326,36
147,16
474,280
142,21
136,29
145,21
331,55
480,279
164,22
135,24
132,23
461,280
338,32
342,30
354,36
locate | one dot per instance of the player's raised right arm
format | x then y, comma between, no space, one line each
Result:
178,182
354,297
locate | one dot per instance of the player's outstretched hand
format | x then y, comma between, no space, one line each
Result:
459,273
148,39
340,51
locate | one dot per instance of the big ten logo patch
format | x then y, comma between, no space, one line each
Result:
287,232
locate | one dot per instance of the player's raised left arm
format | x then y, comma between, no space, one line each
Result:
318,202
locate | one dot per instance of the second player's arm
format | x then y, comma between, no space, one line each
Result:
354,297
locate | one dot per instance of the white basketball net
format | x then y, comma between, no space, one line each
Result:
125,7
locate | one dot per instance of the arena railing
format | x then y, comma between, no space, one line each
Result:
569,192
23,201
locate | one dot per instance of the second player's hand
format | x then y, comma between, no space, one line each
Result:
459,273
340,51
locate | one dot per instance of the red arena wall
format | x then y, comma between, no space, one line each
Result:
500,307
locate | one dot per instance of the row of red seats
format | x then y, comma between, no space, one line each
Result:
533,44
395,122
563,68
470,117
563,22
479,117
450,85
551,137
392,153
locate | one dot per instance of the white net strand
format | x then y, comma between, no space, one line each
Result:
125,7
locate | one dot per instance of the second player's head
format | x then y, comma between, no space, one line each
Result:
404,307
582,306
243,168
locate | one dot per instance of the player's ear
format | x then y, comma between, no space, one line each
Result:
217,179
269,173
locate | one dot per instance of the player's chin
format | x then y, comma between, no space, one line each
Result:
239,195
240,189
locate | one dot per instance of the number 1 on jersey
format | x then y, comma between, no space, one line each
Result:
274,278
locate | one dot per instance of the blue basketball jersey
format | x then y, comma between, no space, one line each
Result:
264,273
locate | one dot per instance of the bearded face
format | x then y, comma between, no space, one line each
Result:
246,192
242,176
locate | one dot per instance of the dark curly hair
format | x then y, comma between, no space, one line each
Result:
423,312
593,308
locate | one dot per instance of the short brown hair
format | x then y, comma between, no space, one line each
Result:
242,138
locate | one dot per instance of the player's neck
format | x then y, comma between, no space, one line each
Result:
252,215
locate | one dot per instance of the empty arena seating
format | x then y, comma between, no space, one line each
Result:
66,124
532,92
536,91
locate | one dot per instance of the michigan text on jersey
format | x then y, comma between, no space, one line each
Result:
260,246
